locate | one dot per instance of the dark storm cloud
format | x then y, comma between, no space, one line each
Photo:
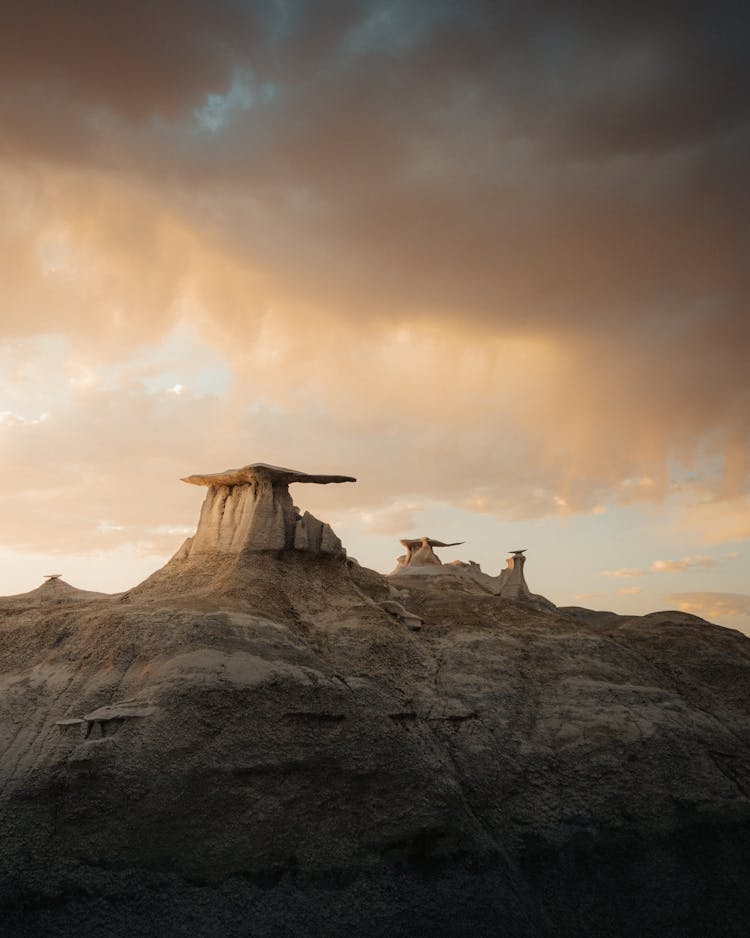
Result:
134,58
456,147
359,87
666,72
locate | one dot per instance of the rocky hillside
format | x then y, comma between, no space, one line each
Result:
281,743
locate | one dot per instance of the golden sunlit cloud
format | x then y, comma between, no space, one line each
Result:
625,572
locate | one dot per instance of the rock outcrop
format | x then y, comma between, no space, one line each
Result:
250,509
421,561
284,747
247,513
420,553
53,591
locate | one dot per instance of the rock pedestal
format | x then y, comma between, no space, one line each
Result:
250,509
512,581
421,560
420,553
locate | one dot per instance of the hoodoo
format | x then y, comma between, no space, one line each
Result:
421,560
420,553
512,581
250,509
263,738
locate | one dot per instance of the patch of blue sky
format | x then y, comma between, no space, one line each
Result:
218,111
181,362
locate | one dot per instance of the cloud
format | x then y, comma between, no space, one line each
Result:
629,591
714,605
686,563
519,286
698,561
397,519
119,61
625,572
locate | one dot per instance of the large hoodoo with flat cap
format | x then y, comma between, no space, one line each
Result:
250,509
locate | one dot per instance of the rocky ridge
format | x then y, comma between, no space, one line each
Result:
278,741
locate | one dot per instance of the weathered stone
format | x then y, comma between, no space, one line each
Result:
395,609
250,509
421,561
420,553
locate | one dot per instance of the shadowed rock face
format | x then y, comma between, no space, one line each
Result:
265,743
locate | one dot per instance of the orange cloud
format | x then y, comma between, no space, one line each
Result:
625,572
662,566
714,605
680,566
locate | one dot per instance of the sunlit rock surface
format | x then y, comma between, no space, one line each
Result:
420,560
420,553
251,509
273,743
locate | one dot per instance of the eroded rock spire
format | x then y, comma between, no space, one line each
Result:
420,553
250,509
512,581
421,560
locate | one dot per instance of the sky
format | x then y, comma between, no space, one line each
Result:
491,258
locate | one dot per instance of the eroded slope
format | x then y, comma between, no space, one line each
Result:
278,754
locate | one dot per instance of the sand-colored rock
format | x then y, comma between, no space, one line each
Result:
421,561
250,509
420,553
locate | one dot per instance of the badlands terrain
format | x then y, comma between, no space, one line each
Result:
266,739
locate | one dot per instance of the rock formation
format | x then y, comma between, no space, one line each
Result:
250,509
53,591
421,561
512,582
420,553
292,744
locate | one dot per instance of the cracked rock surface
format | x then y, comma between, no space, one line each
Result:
260,745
